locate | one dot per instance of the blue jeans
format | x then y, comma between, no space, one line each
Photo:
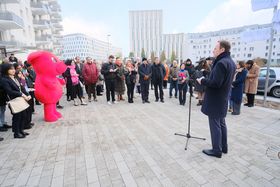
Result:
173,84
2,115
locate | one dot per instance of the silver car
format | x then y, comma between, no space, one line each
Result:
273,83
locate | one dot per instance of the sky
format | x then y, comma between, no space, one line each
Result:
100,18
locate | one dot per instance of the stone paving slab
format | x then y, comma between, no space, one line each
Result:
134,145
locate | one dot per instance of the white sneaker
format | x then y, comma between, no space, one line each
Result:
115,102
109,103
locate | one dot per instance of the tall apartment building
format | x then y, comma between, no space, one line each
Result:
27,25
145,31
143,25
85,46
174,43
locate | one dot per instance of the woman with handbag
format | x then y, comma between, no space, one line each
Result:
19,96
72,79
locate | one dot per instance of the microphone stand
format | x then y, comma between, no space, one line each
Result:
188,134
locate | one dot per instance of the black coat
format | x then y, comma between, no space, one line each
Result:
130,77
12,89
145,69
105,70
158,73
3,95
218,87
79,70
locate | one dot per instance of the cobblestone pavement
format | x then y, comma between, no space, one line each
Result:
134,145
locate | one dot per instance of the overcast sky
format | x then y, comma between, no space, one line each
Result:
100,18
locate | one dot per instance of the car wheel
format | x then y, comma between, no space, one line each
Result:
276,91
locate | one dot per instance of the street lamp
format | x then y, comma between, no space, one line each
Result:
108,50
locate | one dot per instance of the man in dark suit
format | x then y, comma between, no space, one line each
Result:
145,72
215,103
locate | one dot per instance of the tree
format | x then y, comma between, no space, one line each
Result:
131,55
143,55
153,56
119,54
162,56
173,56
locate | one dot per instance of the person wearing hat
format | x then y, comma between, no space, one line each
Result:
145,72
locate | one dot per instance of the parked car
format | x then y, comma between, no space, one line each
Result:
273,83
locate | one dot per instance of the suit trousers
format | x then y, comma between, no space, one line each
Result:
145,90
110,89
218,130
158,86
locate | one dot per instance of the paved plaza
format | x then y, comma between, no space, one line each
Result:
134,145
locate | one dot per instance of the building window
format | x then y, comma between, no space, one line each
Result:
251,49
249,55
266,47
266,54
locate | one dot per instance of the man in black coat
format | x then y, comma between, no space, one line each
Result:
215,103
145,72
109,71
158,73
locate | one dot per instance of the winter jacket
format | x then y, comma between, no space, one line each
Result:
90,73
158,73
218,87
251,83
105,70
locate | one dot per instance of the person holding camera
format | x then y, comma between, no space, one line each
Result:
145,72
130,79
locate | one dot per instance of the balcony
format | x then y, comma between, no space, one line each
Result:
38,8
41,24
45,39
10,1
9,20
9,44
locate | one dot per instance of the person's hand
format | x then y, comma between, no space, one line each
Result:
25,97
115,70
174,79
199,80
111,70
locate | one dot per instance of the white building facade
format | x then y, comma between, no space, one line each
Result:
201,45
174,43
85,46
30,25
145,32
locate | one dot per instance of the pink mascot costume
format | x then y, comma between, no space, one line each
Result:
48,88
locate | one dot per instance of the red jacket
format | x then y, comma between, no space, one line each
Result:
90,73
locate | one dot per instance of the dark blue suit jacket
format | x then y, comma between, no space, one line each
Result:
218,87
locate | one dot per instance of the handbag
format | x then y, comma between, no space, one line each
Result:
17,105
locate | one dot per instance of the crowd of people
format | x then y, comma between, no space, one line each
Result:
117,77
